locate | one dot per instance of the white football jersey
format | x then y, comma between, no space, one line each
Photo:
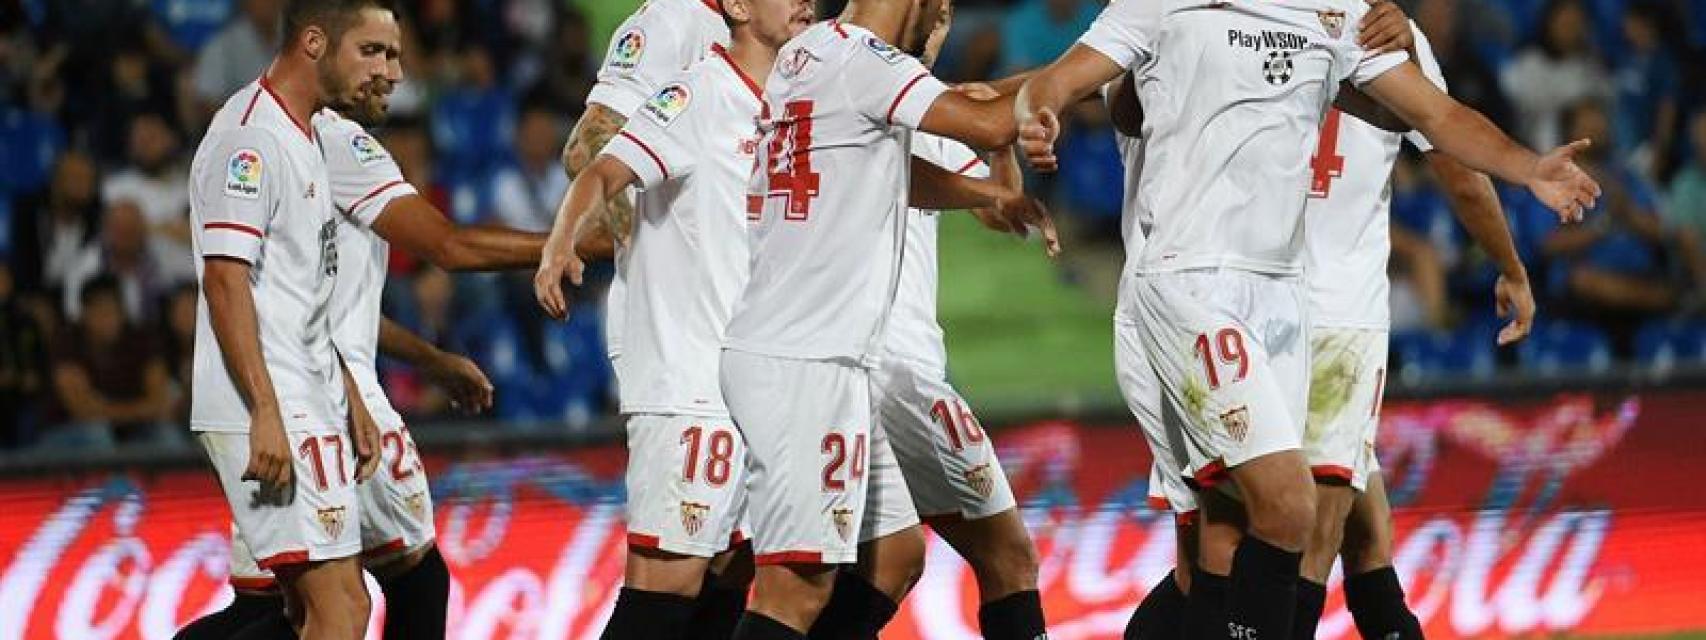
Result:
259,192
364,180
1347,223
691,146
1233,94
830,192
660,40
913,333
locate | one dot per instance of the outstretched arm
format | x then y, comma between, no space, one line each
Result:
1476,205
1068,79
602,180
419,228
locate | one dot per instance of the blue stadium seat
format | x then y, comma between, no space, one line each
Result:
1558,347
29,146
1423,354
1665,344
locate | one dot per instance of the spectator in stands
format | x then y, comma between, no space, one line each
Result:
1038,31
23,365
1687,203
68,220
123,254
134,84
110,384
178,327
1559,69
1648,84
473,120
1423,245
568,68
1623,264
1451,27
238,54
526,193
155,181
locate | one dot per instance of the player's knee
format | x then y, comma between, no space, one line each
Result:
1008,563
663,572
894,562
1285,516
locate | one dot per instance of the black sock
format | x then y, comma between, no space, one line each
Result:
716,612
416,600
1311,599
648,615
1263,592
1161,614
1016,616
1376,601
270,626
1205,606
857,610
757,626
244,610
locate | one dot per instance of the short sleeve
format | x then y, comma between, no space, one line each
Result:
237,191
898,90
365,178
647,50
1431,69
1125,32
661,139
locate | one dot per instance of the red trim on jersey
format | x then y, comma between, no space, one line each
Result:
714,5
1211,475
789,557
256,583
643,541
356,206
1331,474
288,557
251,108
232,226
391,546
836,24
902,95
306,130
648,150
1159,503
737,537
718,49
969,164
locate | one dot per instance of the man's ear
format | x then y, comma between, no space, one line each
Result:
315,42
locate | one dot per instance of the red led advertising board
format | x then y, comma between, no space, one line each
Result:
1570,514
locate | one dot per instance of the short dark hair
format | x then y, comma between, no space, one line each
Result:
102,285
334,16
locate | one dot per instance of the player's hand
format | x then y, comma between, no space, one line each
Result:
978,91
1385,28
1017,214
364,432
470,391
269,455
559,260
1562,185
1515,300
1036,140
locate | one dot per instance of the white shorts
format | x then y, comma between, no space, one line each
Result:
1231,351
807,424
948,461
319,520
888,497
1348,376
396,508
686,483
1161,425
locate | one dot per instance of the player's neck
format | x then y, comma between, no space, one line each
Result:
296,84
884,18
753,57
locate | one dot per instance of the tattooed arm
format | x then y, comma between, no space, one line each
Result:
596,127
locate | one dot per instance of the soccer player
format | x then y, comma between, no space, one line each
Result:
376,207
689,150
270,407
946,460
1234,95
1346,244
829,192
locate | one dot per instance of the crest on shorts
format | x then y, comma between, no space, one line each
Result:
332,520
843,519
416,504
1333,21
693,516
1237,423
979,479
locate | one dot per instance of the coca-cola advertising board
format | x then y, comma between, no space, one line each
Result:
1563,515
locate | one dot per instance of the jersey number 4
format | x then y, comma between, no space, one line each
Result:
1327,163
788,161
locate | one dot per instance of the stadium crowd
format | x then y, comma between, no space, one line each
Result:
102,100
